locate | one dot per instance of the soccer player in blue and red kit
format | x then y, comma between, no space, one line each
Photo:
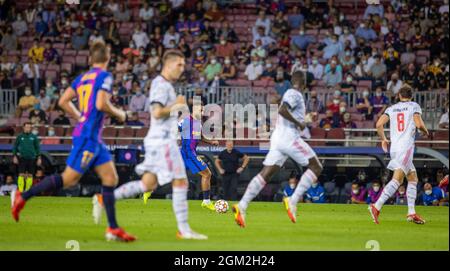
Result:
191,134
93,91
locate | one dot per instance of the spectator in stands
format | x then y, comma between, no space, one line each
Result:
270,70
263,21
282,84
280,25
394,85
195,25
329,121
433,196
347,86
374,192
289,188
122,65
409,76
169,36
313,18
314,104
400,197
40,27
243,54
333,77
50,88
212,69
316,68
134,120
61,119
112,35
122,14
374,9
315,194
379,102
391,59
348,61
209,34
227,163
80,39
137,102
37,116
51,139
302,40
214,14
154,61
146,14
227,32
295,17
377,71
96,36
224,49
358,194
228,70
347,36
50,53
200,60
364,106
9,40
184,48
26,155
36,52
254,70
366,32
44,100
182,26
259,50
9,186
30,13
266,41
19,26
334,48
26,102
418,41
115,98
347,122
443,121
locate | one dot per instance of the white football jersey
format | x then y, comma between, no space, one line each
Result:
402,126
296,106
162,92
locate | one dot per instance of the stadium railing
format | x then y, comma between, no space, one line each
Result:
8,102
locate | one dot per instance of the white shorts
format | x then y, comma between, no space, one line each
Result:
402,160
163,158
281,150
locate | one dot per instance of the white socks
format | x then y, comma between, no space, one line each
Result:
388,191
180,208
305,183
254,187
129,190
411,194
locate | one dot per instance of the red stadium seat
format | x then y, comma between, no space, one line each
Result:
440,135
336,133
423,138
125,132
317,133
83,53
59,130
81,61
67,66
70,52
142,132
51,74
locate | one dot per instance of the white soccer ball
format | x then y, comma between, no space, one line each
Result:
221,206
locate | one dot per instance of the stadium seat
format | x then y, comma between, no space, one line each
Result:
110,132
70,52
440,135
81,61
67,66
424,138
317,133
42,130
331,192
51,74
336,133
59,130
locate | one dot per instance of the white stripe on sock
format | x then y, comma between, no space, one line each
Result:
254,187
388,191
180,208
130,190
411,194
305,183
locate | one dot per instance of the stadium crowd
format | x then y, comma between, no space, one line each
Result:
44,44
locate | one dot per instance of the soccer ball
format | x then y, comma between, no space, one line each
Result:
221,206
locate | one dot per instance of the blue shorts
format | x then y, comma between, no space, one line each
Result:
192,162
87,153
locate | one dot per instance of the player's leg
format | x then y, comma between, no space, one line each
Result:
411,195
22,173
206,189
52,183
180,208
388,191
309,177
108,175
134,188
31,170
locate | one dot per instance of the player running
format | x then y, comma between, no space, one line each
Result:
163,162
405,117
191,135
93,91
285,142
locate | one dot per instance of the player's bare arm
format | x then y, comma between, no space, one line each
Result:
420,124
65,102
160,112
104,104
210,141
287,115
380,130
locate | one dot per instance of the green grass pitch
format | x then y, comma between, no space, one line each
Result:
47,223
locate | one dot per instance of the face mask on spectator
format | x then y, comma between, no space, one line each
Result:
292,186
376,188
349,79
378,94
199,53
223,42
336,101
64,82
49,84
342,109
362,25
213,61
35,132
428,192
366,94
269,65
51,133
153,53
115,93
145,77
301,32
138,93
315,61
348,53
355,191
28,92
227,61
314,185
202,79
337,93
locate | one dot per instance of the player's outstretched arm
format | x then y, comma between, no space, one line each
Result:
161,112
104,104
287,115
420,124
65,102
380,130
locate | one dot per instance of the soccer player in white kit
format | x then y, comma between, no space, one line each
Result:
405,118
285,142
163,162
